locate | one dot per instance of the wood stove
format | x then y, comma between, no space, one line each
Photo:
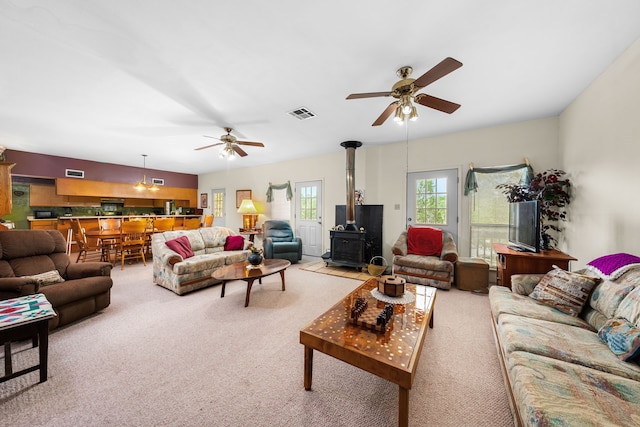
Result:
359,236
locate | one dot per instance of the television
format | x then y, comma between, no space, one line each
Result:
524,226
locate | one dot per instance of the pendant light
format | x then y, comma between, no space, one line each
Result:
142,185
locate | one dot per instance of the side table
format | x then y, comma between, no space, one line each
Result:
21,318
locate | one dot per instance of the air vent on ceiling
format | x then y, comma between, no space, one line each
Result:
72,173
302,113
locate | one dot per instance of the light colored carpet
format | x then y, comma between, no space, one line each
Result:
153,358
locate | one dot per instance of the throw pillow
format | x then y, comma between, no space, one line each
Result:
610,267
181,246
426,241
234,243
566,291
47,278
622,338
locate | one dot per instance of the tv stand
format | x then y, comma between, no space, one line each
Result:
511,262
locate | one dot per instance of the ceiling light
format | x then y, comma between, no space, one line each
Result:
414,114
142,185
227,152
399,116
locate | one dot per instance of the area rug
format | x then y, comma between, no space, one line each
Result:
333,270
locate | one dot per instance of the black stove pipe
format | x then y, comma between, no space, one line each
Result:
351,146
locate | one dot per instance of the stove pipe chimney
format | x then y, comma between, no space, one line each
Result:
351,146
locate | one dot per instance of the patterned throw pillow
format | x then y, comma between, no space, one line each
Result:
566,291
47,278
622,338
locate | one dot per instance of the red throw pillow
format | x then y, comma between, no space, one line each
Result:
426,241
182,246
234,243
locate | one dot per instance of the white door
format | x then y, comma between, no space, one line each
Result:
217,207
432,199
309,216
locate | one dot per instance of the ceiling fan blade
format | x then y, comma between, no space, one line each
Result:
239,150
254,144
368,95
445,66
385,114
209,146
436,103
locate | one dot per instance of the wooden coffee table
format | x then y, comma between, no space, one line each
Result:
239,271
392,355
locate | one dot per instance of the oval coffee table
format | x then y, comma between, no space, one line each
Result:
239,271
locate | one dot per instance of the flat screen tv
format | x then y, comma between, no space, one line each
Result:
524,226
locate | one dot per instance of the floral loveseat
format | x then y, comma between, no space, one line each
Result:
563,365
196,255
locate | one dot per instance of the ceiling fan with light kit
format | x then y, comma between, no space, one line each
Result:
405,93
231,145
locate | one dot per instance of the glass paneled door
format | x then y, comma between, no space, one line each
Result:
432,200
309,216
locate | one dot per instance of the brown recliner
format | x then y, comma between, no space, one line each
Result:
85,290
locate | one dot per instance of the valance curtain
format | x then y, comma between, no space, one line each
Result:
285,186
471,184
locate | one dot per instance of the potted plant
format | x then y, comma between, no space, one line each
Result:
255,257
553,190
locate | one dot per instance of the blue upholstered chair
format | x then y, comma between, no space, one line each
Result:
279,241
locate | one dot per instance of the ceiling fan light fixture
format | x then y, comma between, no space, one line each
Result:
413,116
399,115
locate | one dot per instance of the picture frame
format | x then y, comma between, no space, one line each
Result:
242,195
204,200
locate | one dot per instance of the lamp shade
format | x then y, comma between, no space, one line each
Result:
247,207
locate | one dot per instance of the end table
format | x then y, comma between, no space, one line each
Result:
22,318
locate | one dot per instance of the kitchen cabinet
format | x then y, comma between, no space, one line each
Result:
43,224
45,195
5,188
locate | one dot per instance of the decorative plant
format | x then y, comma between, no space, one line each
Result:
255,250
553,190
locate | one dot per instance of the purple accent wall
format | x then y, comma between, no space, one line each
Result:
46,166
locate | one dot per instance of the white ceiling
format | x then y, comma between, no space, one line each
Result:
109,80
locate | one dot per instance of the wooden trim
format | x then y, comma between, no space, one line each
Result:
517,420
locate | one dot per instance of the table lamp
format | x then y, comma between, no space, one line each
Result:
249,214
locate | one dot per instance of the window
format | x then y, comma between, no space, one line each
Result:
218,204
431,201
308,203
280,206
490,213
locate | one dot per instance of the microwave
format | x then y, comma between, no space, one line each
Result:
44,214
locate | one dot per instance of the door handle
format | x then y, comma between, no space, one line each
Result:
409,219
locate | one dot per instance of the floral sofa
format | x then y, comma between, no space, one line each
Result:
196,254
575,363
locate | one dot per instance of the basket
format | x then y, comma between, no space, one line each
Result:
377,270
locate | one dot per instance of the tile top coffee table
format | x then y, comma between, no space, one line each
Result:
23,317
239,271
392,355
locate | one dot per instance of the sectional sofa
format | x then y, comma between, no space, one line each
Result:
565,368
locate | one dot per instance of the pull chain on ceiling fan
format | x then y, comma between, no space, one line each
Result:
405,93
231,145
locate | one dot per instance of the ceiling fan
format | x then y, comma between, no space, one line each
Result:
231,144
405,92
